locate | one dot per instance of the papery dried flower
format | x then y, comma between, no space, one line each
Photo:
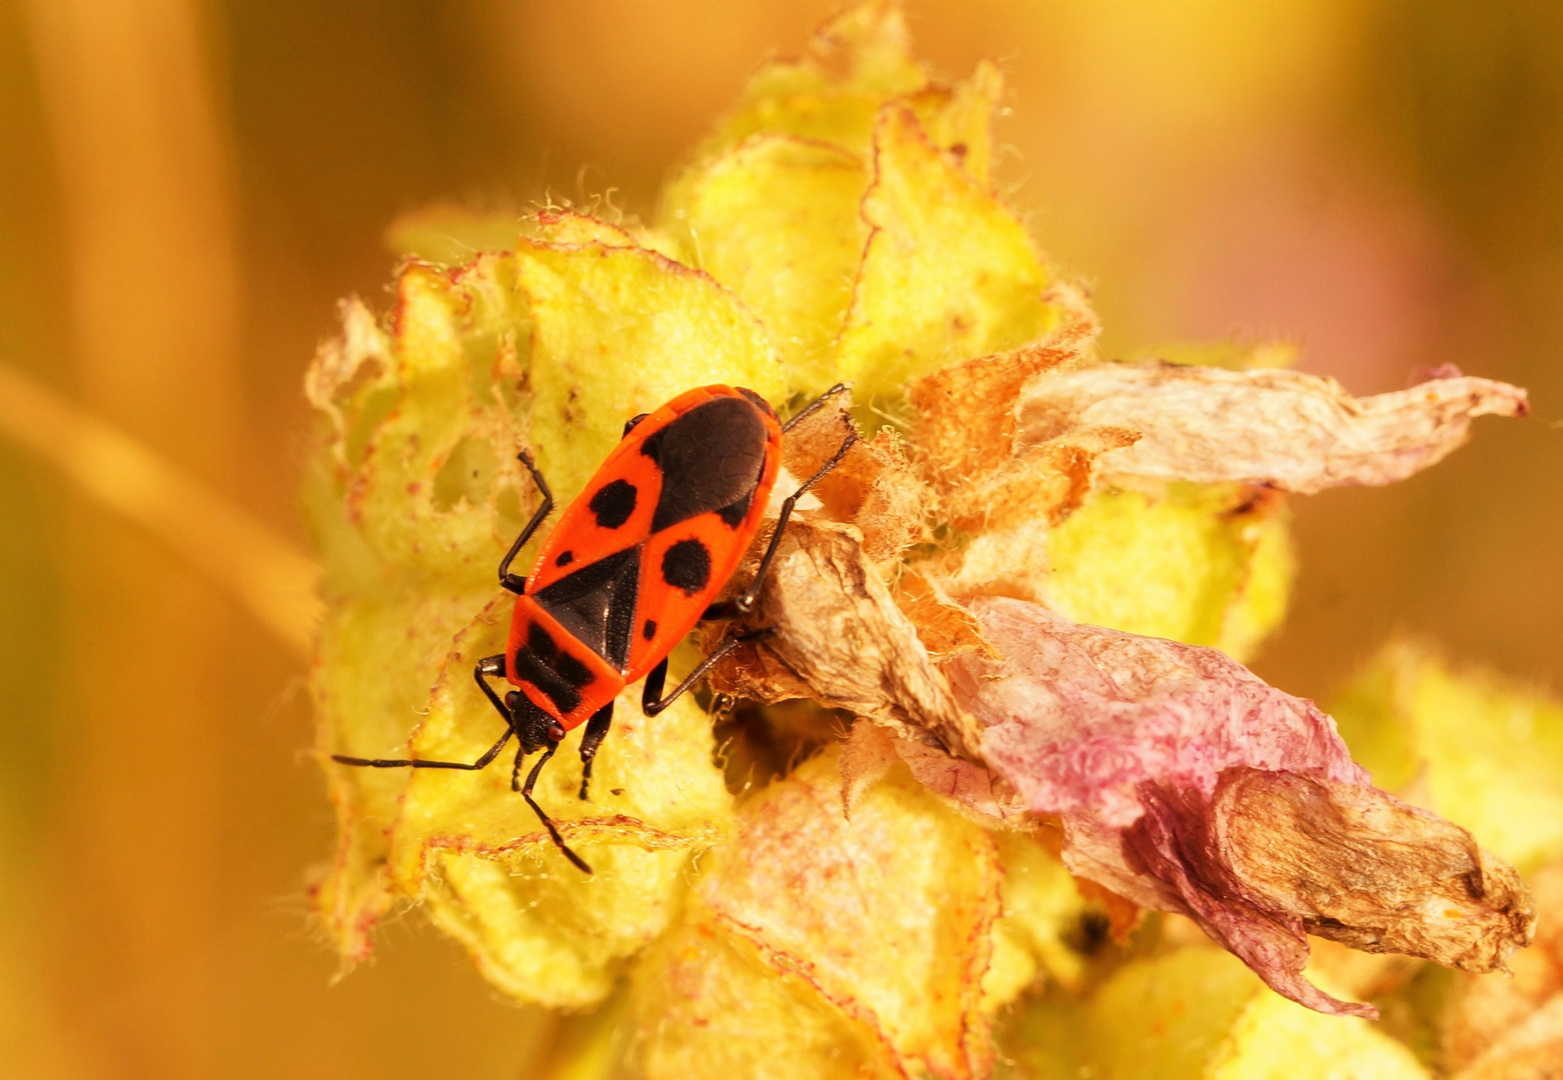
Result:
1188,785
1282,429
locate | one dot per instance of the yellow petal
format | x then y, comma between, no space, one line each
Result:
854,63
619,330
1201,565
1198,1014
948,273
538,928
880,921
776,220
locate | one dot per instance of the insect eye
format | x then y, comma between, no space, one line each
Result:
629,425
555,732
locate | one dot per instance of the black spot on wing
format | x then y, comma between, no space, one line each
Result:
711,457
596,604
613,504
649,631
687,566
557,674
572,670
565,558
540,642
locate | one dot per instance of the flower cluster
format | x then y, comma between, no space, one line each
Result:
991,727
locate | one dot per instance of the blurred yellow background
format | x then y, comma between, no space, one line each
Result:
186,189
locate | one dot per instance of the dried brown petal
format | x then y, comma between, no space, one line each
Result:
945,628
1078,717
966,419
866,755
1362,868
1009,562
1273,856
1044,482
841,638
874,486
1299,432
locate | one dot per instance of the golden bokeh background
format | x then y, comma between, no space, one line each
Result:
187,186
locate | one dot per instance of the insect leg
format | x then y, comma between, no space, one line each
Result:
815,405
596,731
658,677
489,665
516,583
526,793
492,666
743,603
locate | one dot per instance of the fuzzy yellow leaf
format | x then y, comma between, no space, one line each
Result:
424,431
447,234
410,504
854,63
883,919
1261,603
961,120
366,696
776,220
1201,565
1276,1039
710,1008
538,928
948,273
1042,907
620,330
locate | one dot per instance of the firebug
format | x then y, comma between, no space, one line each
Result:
633,564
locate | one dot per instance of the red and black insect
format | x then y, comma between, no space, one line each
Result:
632,566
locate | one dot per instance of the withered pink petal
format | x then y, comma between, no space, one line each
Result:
1173,842
1077,717
1187,784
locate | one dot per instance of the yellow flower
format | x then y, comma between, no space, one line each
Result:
855,917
